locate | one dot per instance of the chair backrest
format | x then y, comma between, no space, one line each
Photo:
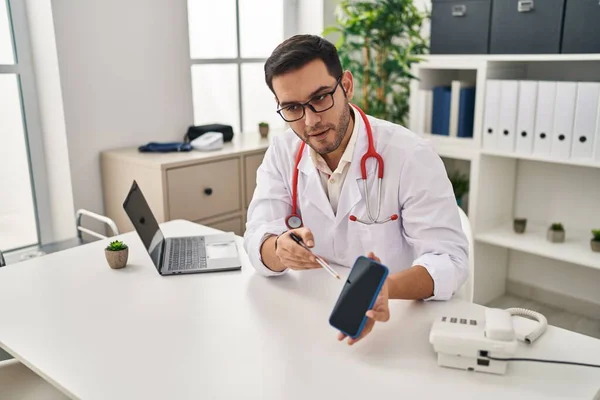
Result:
80,229
466,291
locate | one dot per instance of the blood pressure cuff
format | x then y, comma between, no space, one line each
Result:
196,131
156,147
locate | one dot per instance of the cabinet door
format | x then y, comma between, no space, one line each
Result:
204,190
251,166
234,225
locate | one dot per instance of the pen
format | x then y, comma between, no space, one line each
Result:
322,263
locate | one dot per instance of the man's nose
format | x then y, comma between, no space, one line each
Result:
311,118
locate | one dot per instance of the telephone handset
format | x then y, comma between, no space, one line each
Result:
467,343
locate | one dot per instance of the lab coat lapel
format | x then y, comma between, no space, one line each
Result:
313,191
353,185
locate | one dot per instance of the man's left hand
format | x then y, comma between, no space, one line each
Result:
380,311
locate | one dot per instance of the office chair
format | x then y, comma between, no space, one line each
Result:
80,229
466,291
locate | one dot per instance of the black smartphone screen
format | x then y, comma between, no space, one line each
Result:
359,291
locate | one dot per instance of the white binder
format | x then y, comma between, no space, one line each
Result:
597,140
526,116
490,113
544,118
564,115
586,114
507,116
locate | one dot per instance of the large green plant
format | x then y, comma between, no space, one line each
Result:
378,42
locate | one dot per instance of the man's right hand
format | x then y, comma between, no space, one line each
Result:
292,255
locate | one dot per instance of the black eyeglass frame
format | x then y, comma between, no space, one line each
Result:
312,108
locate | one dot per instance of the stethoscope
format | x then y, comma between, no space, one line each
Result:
294,221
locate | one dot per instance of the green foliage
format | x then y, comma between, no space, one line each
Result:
379,41
557,226
263,124
116,246
596,234
460,183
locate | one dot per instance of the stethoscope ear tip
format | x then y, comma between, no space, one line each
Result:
352,218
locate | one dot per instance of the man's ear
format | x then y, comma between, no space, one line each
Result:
348,84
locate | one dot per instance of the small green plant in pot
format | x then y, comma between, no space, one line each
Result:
263,129
556,233
116,254
460,185
595,242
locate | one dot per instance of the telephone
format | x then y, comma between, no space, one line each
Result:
475,345
208,141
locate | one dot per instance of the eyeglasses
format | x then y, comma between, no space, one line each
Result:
317,104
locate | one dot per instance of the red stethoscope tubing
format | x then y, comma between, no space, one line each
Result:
294,221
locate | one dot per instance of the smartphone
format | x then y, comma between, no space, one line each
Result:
358,296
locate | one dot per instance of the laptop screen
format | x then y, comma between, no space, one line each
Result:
145,224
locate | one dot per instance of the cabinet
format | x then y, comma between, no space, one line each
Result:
210,188
508,183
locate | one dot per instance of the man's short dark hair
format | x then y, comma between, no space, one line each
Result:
299,50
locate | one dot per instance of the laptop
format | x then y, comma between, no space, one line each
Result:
179,255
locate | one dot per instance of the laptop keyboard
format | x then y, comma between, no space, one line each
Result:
187,253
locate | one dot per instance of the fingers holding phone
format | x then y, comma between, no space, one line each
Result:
363,301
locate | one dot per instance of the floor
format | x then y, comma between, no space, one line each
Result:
556,316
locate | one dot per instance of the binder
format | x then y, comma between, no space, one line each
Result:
564,115
428,110
544,118
507,116
421,122
597,139
456,89
526,116
584,125
440,124
490,113
466,112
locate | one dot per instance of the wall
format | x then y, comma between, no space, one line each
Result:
45,64
125,80
310,16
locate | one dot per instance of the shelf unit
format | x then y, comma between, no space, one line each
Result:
575,249
506,185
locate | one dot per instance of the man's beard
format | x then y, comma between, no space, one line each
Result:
340,132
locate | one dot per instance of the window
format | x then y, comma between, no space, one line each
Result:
229,42
18,210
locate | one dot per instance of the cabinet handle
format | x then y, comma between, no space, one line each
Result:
525,5
208,191
459,10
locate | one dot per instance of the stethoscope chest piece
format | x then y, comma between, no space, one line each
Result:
293,222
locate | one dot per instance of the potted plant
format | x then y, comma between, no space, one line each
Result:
519,224
460,185
263,129
556,233
595,242
116,254
379,41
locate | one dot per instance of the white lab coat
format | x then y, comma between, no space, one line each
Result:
415,186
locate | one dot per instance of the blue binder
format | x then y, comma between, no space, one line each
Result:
466,112
440,120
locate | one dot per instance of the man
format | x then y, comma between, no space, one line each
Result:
321,185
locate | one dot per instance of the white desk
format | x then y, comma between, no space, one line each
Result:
98,333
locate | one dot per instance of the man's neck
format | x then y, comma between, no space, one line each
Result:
333,159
